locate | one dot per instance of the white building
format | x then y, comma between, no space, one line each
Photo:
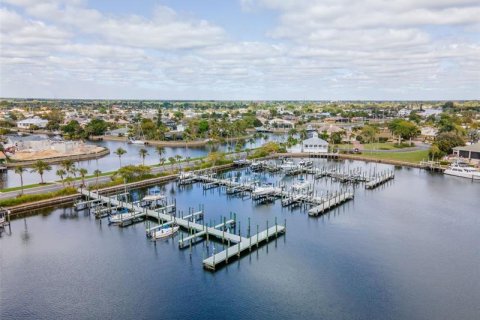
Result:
311,145
35,121
315,144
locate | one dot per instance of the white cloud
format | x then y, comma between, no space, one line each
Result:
340,49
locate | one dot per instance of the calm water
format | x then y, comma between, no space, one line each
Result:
407,250
111,161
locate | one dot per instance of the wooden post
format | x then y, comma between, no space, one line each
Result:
276,227
267,230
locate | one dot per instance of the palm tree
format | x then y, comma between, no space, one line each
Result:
69,166
178,158
83,172
20,170
120,152
61,173
143,153
97,174
172,161
40,167
160,151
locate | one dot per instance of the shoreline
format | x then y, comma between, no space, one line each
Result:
14,210
184,144
57,160
48,203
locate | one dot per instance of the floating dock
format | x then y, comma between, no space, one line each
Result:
197,230
372,184
333,201
236,250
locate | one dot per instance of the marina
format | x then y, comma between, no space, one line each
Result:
355,243
166,218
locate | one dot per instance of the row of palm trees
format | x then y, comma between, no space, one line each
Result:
67,172
143,153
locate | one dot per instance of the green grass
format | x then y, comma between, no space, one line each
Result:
375,146
25,187
408,156
26,198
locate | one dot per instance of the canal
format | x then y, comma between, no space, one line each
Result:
111,162
406,250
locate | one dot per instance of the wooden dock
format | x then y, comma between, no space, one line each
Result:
372,184
236,250
197,230
332,202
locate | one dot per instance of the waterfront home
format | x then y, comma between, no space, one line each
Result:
428,133
471,152
281,123
311,145
329,129
120,132
32,122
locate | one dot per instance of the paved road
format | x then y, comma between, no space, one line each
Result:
55,186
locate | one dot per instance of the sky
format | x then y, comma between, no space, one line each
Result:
240,49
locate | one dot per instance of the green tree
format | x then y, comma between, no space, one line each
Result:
171,160
336,137
40,167
178,158
97,174
403,129
20,170
120,152
68,166
369,133
96,127
83,172
446,141
143,154
61,173
160,151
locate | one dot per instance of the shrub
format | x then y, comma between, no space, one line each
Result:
26,198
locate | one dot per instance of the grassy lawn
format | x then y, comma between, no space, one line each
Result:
410,156
374,146
25,187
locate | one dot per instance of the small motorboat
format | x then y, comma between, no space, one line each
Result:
165,232
241,162
305,163
135,141
288,165
120,216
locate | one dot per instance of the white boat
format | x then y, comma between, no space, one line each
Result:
133,141
242,162
186,175
302,186
120,217
165,232
257,165
288,165
462,170
305,163
153,199
265,190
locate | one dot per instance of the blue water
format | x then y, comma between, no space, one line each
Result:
111,162
407,250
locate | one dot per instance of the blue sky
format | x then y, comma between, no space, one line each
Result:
240,49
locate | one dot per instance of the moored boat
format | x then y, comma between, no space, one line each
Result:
462,170
165,232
